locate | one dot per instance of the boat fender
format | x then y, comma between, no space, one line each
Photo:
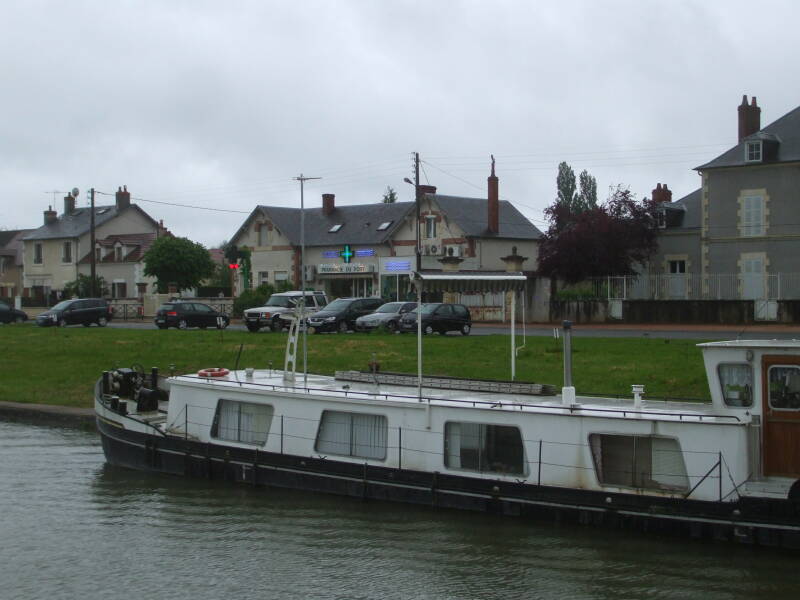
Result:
213,372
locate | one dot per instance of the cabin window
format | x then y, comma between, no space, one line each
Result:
737,384
352,434
784,387
484,448
638,461
242,422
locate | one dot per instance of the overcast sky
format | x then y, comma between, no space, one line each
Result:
220,104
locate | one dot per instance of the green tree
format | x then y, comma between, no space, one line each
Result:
177,261
390,196
565,185
587,192
82,287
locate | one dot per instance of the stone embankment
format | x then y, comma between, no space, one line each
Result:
44,414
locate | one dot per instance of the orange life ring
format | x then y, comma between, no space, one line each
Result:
213,372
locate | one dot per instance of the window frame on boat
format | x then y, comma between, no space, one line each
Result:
491,461
795,394
628,478
731,401
378,431
219,415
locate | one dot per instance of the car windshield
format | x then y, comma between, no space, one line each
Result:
62,305
426,309
283,301
339,304
391,307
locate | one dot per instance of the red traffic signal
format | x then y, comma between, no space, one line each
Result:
233,266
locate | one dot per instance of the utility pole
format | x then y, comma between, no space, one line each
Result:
91,246
302,179
417,201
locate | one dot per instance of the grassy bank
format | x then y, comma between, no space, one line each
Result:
59,366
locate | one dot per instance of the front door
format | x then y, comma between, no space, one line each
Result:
781,401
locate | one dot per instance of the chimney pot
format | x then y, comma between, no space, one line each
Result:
493,217
662,193
69,204
749,118
427,189
123,198
50,216
328,203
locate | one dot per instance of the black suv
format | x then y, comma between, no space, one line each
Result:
80,311
439,317
341,314
183,314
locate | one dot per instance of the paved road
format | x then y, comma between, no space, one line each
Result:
709,332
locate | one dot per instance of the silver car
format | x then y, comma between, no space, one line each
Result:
386,316
280,307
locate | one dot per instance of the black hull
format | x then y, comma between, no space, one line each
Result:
774,523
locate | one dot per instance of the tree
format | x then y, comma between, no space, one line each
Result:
177,261
610,239
565,185
390,197
587,192
82,287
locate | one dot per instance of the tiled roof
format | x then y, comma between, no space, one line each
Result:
136,243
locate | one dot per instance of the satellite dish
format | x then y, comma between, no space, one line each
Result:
75,192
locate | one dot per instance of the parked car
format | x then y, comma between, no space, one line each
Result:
11,315
439,317
183,314
386,316
341,314
79,311
279,306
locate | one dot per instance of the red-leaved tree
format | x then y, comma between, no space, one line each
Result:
607,239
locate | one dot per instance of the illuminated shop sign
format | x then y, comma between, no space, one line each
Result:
345,268
397,265
347,253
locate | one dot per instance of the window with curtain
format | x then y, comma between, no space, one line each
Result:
244,422
484,448
352,434
737,384
639,461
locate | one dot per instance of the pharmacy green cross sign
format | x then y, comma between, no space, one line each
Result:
347,253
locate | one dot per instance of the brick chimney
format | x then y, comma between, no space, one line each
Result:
69,204
427,189
749,118
50,216
493,221
123,197
328,203
662,194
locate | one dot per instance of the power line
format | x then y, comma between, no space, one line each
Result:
224,210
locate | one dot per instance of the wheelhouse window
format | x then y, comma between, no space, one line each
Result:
638,461
752,216
352,434
736,381
243,422
784,387
752,151
483,448
37,254
66,252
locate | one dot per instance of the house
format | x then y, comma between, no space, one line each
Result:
738,236
369,249
11,262
55,253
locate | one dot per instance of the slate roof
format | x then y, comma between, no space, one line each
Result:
786,130
471,215
686,211
11,243
360,222
138,244
78,222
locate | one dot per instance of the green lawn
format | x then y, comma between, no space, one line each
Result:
59,366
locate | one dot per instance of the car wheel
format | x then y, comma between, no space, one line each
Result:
182,324
86,324
275,325
102,322
161,326
62,323
20,319
391,327
465,329
343,328
253,328
313,330
428,330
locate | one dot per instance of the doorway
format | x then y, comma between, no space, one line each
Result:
781,407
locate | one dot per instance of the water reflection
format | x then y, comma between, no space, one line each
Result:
76,527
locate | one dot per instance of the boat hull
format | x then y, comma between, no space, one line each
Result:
759,521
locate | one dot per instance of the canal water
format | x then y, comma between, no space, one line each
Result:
73,527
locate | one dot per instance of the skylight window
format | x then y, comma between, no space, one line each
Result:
102,211
335,228
385,225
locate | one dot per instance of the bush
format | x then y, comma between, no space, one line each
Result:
252,298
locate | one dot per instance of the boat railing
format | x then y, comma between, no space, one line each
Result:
476,403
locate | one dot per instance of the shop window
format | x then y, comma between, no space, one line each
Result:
483,448
352,434
737,384
638,461
244,422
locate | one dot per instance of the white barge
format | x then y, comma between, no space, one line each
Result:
725,470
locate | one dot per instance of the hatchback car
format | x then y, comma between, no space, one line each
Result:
386,316
185,314
439,317
11,315
79,311
341,314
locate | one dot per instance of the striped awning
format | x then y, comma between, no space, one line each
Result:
470,281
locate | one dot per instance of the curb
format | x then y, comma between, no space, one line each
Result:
44,414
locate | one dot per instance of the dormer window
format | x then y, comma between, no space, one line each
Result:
385,225
661,218
335,228
752,151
